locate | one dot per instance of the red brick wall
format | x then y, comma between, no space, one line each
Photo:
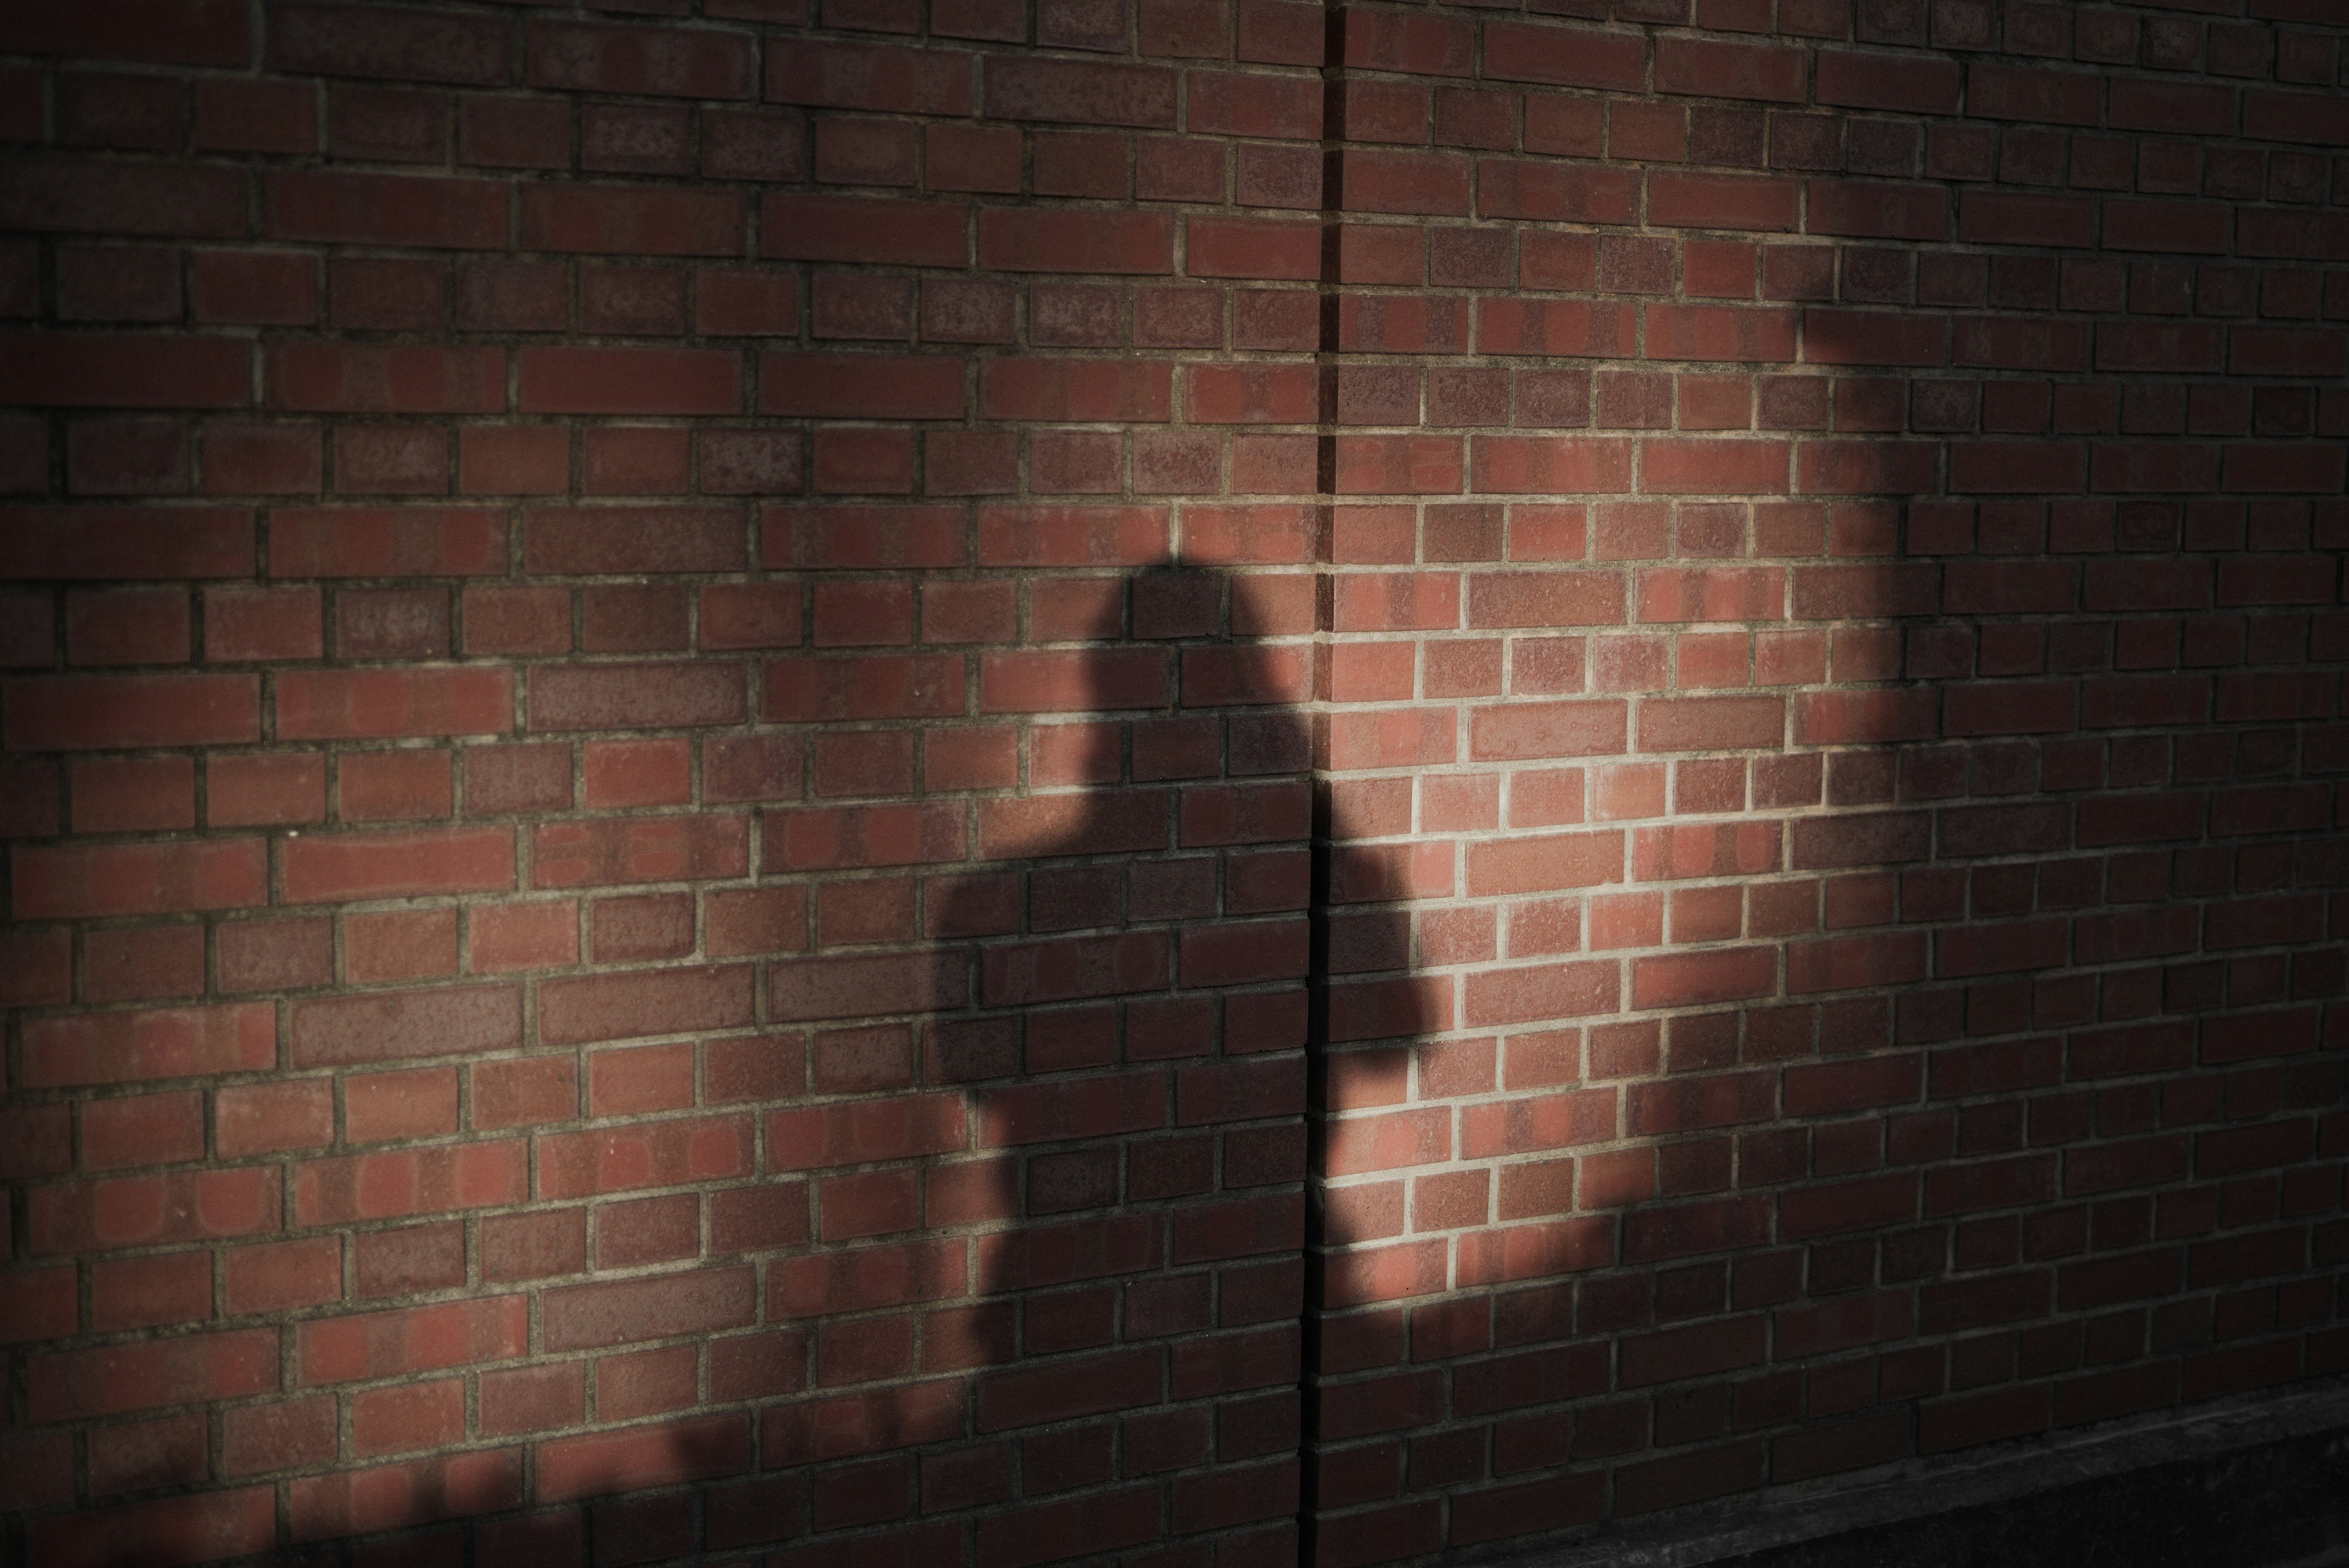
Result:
872,782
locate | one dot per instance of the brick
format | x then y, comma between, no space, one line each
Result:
342,377
339,1031
632,219
91,711
133,196
2029,93
201,34
105,370
255,289
861,386
864,229
1878,210
1712,68
631,381
395,785
664,1153
179,1529
1087,389
410,1492
656,1002
1987,218
84,881
131,1047
883,78
1079,91
339,705
583,1317
618,696
338,867
1248,104
382,41
639,850
43,1305
148,1210
130,795
1512,189
262,624
400,1183
367,542
630,539
142,1377
413,1339
707,63
100,543
384,210
1051,241
128,457
1566,56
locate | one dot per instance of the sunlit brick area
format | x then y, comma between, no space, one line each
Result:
1210,784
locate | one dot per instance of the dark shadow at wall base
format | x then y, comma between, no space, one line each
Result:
2285,1505
2256,1482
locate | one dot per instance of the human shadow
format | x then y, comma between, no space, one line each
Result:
1058,1150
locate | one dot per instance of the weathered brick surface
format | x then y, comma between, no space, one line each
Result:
1194,780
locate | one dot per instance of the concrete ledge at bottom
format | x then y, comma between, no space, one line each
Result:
2259,1481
